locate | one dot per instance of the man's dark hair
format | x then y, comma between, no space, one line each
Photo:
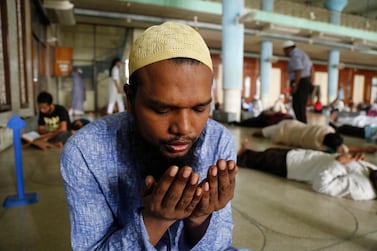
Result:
44,97
373,178
79,123
115,60
333,140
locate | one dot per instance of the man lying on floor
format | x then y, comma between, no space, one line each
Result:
365,130
340,175
265,118
309,136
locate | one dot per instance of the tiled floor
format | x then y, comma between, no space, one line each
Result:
270,213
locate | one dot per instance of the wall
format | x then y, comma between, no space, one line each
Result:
94,48
280,83
14,69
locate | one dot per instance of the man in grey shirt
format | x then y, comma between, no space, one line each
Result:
300,74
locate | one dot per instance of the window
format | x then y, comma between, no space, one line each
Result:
373,95
5,100
23,86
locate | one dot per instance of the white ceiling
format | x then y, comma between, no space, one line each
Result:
118,13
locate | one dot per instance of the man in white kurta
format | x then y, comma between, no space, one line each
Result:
336,175
115,88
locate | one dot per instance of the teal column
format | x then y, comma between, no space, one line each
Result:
265,55
232,55
333,74
265,69
268,5
335,6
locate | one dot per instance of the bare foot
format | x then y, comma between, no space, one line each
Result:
244,146
334,116
58,144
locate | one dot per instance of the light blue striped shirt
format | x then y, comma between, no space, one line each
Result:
370,132
101,167
299,60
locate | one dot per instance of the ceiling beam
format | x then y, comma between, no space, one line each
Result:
307,24
191,5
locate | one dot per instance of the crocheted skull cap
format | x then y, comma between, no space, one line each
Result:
165,41
288,43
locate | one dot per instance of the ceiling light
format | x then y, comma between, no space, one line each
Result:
281,28
329,37
364,44
51,40
367,24
312,15
58,5
248,16
272,59
339,66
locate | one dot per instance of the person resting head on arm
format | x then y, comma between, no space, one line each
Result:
339,175
309,136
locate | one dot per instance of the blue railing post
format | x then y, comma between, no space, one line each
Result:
16,124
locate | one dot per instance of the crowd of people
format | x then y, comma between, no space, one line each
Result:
316,153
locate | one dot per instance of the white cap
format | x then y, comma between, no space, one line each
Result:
165,41
288,43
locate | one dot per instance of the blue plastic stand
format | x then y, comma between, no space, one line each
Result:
16,123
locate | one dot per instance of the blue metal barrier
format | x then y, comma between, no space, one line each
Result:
16,124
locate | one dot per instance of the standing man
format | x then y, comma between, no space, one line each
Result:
161,175
115,87
300,74
78,94
53,120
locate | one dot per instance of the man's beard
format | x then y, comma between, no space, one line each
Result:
156,163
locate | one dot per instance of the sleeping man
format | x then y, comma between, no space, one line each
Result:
309,136
339,175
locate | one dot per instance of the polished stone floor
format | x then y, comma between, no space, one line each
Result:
270,213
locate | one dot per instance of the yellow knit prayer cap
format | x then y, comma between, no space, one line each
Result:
165,41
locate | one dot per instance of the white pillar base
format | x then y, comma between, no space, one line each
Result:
232,102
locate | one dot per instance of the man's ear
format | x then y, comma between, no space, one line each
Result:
127,89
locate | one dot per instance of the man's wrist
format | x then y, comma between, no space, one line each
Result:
197,221
155,226
155,220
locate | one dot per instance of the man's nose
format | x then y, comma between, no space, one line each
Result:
181,123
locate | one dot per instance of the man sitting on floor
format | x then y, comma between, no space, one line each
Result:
343,175
53,121
54,127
